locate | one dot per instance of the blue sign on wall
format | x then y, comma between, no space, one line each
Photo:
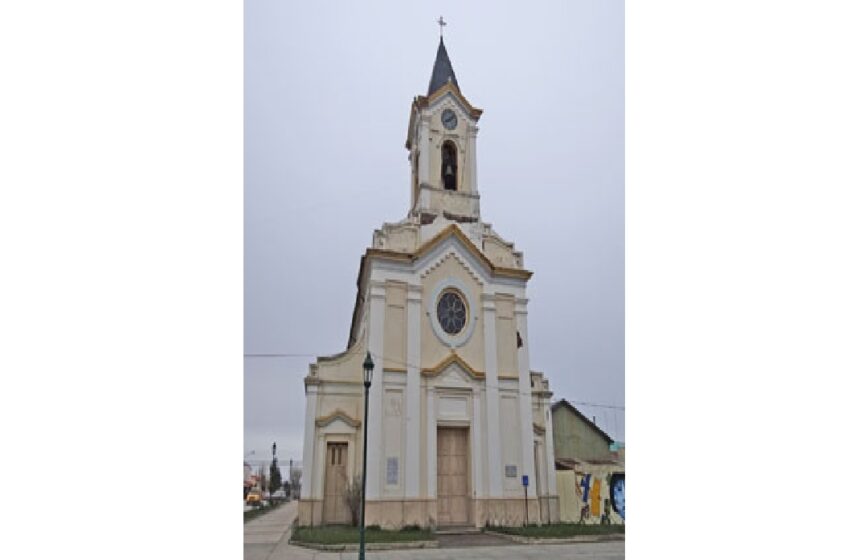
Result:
525,480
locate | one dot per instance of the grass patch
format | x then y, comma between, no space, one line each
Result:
348,535
258,511
561,530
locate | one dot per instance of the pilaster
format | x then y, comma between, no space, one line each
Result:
432,444
478,462
471,164
412,416
309,442
377,303
527,430
425,149
550,451
494,445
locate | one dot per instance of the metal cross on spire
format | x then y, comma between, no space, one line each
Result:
442,23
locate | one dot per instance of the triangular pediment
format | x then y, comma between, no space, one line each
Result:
450,366
340,415
451,234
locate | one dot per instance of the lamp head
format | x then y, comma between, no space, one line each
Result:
368,367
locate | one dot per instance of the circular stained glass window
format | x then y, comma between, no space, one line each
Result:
451,311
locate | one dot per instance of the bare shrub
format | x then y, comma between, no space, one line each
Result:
353,494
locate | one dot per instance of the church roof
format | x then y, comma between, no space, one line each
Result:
443,71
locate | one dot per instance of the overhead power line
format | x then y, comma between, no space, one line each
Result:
597,405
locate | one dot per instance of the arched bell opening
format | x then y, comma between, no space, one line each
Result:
448,169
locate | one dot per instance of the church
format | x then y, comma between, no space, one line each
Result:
460,431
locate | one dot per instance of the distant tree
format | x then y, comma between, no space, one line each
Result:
296,483
286,488
275,480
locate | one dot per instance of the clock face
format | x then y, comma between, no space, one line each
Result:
449,119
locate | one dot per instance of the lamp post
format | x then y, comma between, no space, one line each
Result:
368,366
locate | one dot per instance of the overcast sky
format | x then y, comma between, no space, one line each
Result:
328,87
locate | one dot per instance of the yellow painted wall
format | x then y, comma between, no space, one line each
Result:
346,366
567,498
506,348
433,349
395,326
498,253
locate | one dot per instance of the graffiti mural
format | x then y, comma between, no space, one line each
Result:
600,497
618,493
590,497
585,483
594,498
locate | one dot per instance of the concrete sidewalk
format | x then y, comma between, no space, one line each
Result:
266,538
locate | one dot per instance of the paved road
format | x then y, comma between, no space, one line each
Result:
577,551
266,539
472,539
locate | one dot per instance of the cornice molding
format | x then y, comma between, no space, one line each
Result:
422,101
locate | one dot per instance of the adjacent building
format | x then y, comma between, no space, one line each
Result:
591,473
457,420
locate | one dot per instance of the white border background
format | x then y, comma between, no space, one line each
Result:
120,226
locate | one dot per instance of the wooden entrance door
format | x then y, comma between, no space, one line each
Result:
335,509
452,476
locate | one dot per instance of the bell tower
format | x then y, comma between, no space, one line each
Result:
441,138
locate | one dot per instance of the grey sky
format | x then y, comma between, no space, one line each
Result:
328,87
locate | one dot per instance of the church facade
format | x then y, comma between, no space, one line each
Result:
458,422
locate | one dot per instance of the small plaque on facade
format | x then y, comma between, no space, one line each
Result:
392,470
510,471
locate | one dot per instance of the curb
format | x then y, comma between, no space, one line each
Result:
354,547
559,540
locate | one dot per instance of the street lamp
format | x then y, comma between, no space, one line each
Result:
368,366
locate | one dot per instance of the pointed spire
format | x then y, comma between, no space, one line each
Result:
443,72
